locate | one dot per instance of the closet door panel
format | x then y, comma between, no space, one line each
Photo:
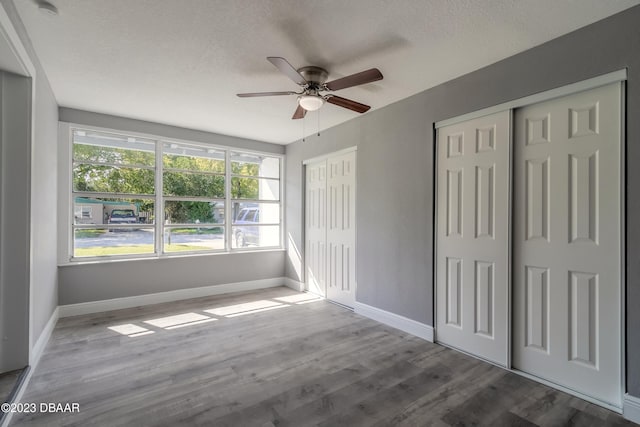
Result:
567,242
316,227
473,236
341,231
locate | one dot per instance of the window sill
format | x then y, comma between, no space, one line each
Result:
107,260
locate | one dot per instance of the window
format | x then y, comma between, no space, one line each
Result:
194,194
255,197
209,199
114,179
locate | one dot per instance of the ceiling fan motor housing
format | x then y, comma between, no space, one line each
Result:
316,76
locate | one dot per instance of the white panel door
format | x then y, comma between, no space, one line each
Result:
566,271
316,227
341,228
472,251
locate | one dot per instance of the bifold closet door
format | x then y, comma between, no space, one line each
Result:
341,228
566,261
330,241
472,249
316,227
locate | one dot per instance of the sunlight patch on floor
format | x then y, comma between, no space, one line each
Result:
182,320
130,330
248,307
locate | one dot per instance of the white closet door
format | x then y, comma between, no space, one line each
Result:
473,237
316,227
341,228
567,242
330,217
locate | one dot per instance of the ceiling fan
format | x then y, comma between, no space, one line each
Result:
313,81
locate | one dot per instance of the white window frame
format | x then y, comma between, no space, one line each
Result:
161,198
67,196
258,201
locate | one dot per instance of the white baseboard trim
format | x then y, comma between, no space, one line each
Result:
294,284
394,320
169,296
43,339
631,408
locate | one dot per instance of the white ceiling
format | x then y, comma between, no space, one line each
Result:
181,62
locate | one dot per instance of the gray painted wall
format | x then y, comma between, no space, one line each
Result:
95,282
44,173
395,167
99,281
43,167
394,226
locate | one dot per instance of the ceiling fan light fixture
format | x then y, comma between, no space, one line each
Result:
311,102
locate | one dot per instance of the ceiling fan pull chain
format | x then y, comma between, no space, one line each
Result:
318,122
303,138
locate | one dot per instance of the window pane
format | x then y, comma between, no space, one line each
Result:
109,179
255,236
180,156
261,213
193,239
255,188
186,212
255,165
110,148
100,241
88,210
193,185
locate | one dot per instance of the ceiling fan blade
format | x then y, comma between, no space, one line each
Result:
355,79
299,114
284,66
249,95
348,103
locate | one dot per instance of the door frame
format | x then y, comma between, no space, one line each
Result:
22,65
619,77
324,157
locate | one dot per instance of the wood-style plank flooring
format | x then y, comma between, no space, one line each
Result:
279,359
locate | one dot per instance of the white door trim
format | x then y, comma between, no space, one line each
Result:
326,156
605,79
11,36
623,244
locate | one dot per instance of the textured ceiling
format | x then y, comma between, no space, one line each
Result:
181,62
